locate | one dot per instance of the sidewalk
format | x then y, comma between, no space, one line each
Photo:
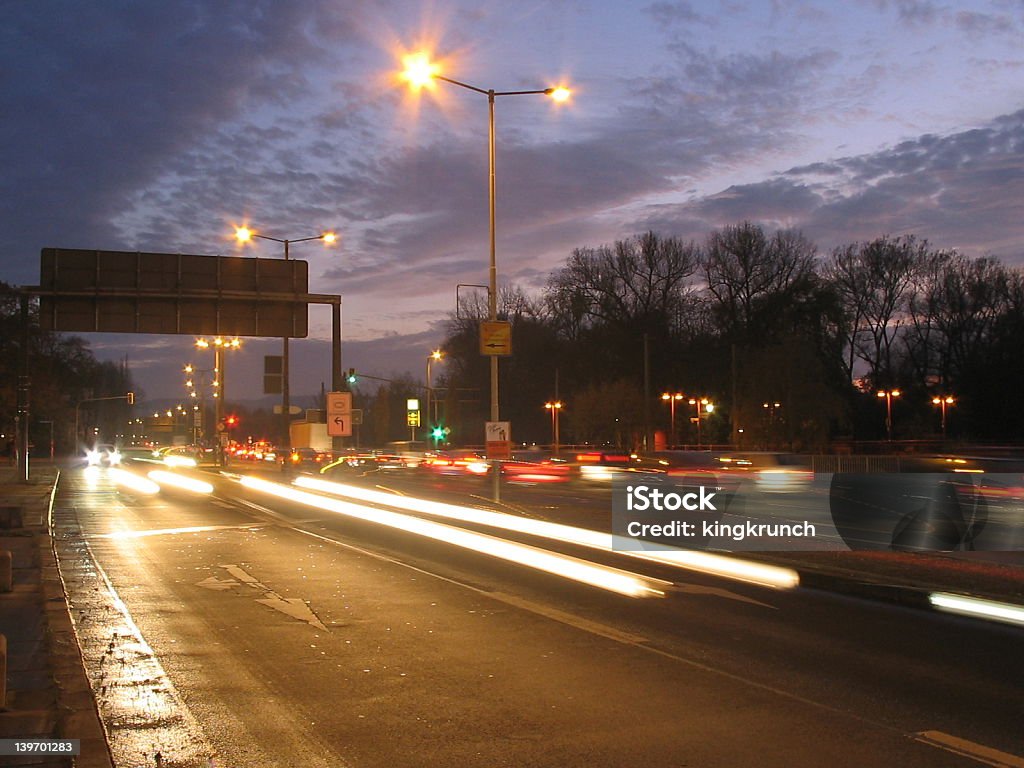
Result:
47,692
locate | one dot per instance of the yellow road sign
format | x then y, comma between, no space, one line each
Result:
495,337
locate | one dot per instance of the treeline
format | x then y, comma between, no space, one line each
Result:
790,344
63,373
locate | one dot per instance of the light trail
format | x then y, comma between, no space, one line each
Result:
133,481
605,577
706,562
163,477
978,608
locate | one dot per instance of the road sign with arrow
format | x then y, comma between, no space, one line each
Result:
496,337
339,414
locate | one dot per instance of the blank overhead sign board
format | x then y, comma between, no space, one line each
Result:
129,292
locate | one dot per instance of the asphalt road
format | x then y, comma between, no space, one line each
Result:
271,633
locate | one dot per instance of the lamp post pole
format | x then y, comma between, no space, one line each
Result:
943,401
420,72
244,235
556,409
888,394
672,398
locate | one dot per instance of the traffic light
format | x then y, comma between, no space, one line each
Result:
437,433
131,398
231,421
351,378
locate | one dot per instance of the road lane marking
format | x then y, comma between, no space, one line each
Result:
295,607
973,750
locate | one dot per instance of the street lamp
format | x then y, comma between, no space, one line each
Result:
700,404
420,73
888,394
437,354
556,408
245,235
220,345
770,409
943,401
671,399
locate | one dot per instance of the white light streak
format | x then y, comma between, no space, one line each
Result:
605,577
978,608
705,562
180,481
136,483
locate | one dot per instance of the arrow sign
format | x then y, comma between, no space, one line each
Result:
339,414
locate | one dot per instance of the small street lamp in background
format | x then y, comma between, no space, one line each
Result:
556,408
770,409
245,235
671,399
888,394
943,401
705,405
219,384
437,354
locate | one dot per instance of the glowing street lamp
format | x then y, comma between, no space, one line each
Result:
888,394
671,399
245,235
219,344
943,401
556,408
701,404
438,355
421,73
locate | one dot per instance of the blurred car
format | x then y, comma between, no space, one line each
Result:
103,455
308,458
603,466
771,472
456,463
532,470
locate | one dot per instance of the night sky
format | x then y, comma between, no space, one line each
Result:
144,125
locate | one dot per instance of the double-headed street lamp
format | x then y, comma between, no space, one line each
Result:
420,72
220,345
888,394
702,405
555,406
245,235
943,401
671,398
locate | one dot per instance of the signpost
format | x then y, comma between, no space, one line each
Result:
498,439
339,414
496,338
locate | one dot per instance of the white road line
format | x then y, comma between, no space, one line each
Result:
973,750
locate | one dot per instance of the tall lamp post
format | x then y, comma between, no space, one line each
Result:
245,235
888,394
556,408
943,401
671,398
437,354
220,345
419,73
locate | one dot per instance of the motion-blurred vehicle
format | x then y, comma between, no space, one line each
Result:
103,455
308,458
456,463
530,470
771,472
